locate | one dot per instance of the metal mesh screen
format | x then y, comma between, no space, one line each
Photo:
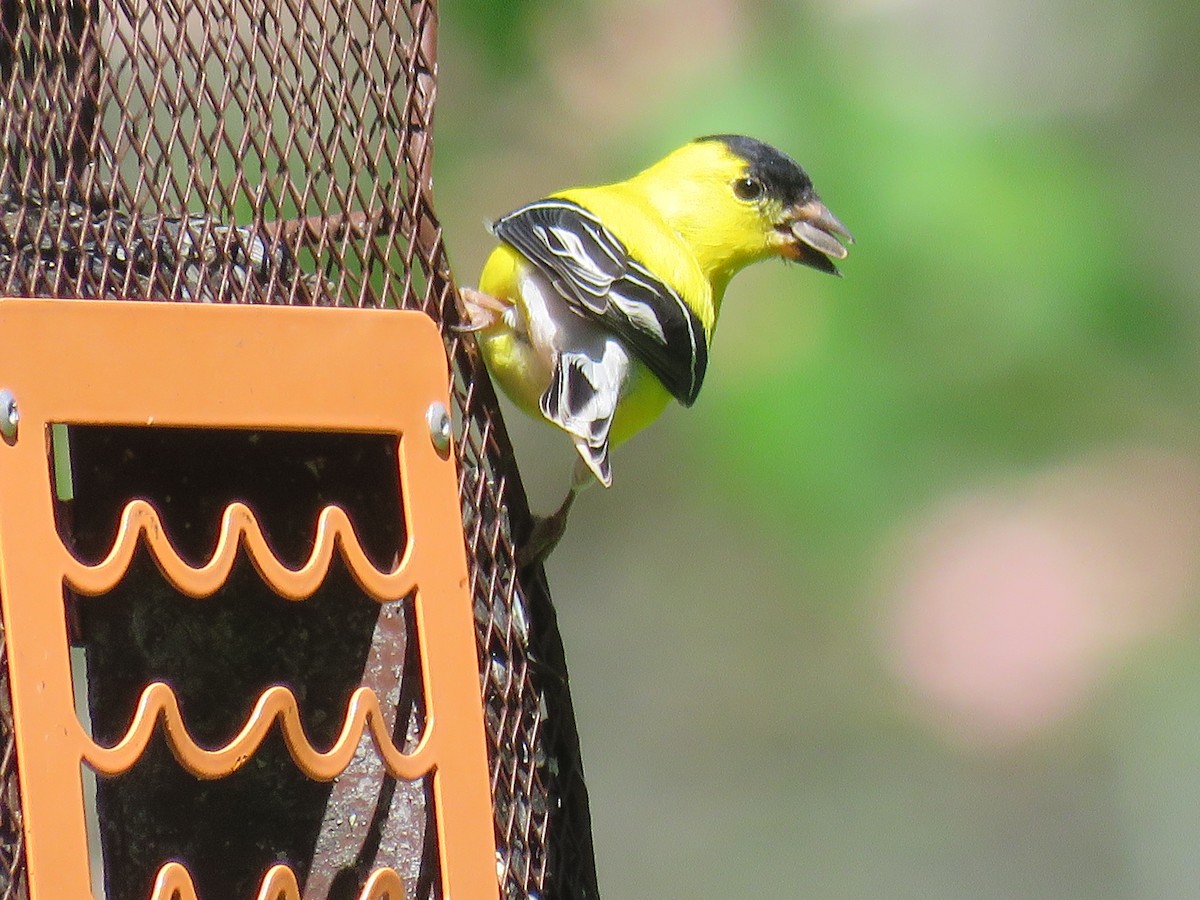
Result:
278,151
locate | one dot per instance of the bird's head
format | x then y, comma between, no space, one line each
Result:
738,200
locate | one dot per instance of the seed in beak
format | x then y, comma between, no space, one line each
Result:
812,234
813,224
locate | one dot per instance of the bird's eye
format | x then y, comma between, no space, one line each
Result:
748,188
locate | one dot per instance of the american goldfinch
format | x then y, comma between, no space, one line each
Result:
599,304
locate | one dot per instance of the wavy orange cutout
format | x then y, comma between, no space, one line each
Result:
276,703
238,525
174,883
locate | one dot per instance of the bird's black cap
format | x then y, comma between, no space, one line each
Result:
782,177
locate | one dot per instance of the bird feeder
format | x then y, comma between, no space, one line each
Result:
264,634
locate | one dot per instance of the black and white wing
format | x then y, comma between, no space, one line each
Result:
595,274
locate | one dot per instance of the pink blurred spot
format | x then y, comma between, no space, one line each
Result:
1006,608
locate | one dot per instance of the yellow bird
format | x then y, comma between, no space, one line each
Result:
599,304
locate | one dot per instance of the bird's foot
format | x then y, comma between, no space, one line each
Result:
546,533
483,310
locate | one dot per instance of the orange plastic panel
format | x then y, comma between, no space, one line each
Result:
112,363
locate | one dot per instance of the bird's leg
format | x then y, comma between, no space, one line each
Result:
548,530
483,310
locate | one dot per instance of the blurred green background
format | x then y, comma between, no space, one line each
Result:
906,606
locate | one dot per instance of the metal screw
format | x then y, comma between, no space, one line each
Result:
9,415
439,428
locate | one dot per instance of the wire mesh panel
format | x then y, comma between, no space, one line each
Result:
278,151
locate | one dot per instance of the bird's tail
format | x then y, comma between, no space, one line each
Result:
582,399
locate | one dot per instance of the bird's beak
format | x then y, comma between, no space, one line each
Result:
810,234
